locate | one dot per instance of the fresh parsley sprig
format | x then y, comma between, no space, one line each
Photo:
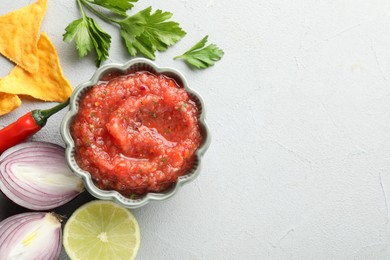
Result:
202,57
143,33
116,6
88,35
146,32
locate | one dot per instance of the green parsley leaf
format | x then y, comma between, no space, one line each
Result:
202,57
88,35
146,32
117,6
143,33
101,41
78,29
131,28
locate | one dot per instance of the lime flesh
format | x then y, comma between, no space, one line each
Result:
101,230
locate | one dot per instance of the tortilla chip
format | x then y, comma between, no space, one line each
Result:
8,102
48,84
19,33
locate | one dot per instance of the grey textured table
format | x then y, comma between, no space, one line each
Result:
299,110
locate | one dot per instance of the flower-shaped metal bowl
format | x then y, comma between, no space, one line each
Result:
103,73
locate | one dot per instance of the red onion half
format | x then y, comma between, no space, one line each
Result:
35,175
34,235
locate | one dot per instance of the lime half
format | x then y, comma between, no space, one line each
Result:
101,230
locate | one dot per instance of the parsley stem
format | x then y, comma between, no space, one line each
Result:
93,10
81,9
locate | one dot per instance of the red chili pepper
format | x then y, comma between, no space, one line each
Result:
26,126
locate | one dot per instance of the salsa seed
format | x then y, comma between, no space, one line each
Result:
153,114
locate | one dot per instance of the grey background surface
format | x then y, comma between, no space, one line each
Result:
299,110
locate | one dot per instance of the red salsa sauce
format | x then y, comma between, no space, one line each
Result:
136,133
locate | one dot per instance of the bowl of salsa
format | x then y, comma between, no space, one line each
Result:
135,132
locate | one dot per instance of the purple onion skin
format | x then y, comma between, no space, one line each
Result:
16,237
45,158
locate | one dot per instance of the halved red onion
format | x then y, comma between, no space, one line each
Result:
35,175
34,235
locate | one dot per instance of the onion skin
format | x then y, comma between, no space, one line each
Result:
35,175
33,235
